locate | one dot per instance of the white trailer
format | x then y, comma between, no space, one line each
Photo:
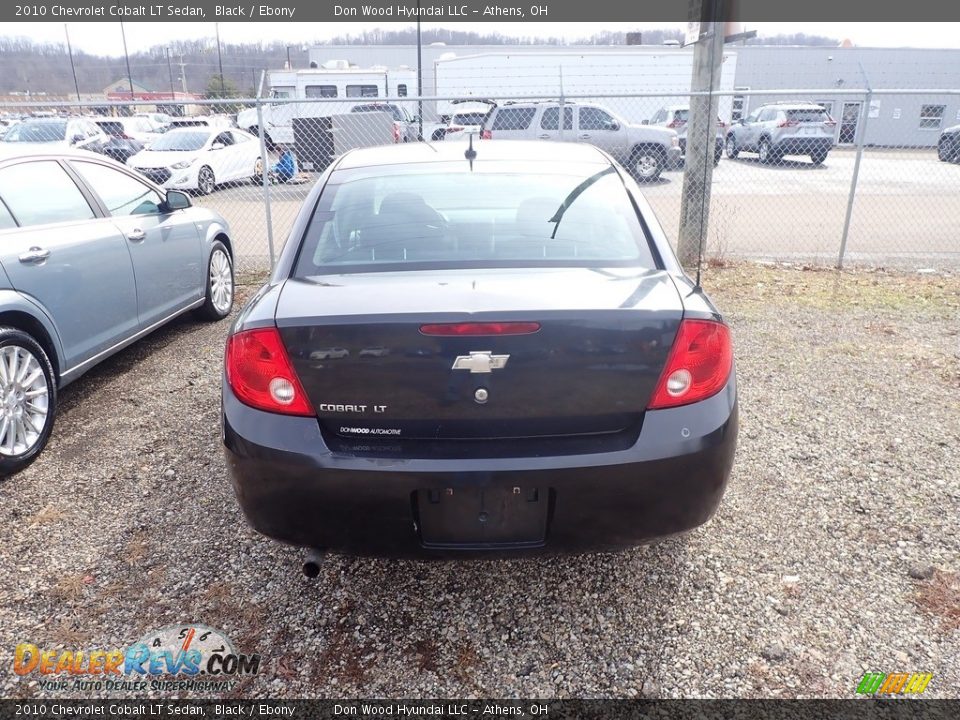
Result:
326,91
504,75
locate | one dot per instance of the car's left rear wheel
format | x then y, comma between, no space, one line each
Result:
219,300
28,400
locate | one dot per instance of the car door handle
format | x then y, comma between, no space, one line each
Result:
136,235
585,136
34,255
544,137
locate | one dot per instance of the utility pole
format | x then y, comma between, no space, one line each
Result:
173,94
223,87
419,79
72,66
183,74
126,56
701,134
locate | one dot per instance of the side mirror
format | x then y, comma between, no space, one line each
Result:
217,146
644,122
76,138
177,200
611,125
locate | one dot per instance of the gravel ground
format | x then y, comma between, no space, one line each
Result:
834,552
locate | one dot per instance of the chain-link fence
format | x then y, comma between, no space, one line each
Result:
827,177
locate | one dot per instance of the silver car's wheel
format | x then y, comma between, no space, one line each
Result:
221,281
646,165
24,401
731,147
764,151
219,300
206,182
28,399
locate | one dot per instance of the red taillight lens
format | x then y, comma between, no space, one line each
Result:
675,123
260,374
698,365
490,328
396,133
453,129
486,135
830,122
788,123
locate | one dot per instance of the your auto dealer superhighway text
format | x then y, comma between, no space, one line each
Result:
164,11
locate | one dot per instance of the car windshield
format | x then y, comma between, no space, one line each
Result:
392,110
112,128
493,218
186,140
37,132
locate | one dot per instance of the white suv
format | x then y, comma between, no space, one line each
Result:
645,151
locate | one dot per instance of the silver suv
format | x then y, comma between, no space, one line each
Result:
675,118
773,131
645,151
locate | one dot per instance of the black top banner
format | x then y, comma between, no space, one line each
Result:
379,11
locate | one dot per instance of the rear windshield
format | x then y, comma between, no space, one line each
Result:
470,118
811,115
472,219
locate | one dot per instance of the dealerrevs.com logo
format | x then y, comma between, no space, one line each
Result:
176,658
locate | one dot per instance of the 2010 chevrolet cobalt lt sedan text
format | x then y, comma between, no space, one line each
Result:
479,351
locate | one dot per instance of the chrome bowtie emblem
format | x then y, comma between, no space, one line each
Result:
480,361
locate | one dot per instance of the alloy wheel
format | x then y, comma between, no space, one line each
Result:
24,401
221,281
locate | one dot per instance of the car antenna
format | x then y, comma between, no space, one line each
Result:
470,154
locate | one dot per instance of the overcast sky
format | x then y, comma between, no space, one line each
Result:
104,38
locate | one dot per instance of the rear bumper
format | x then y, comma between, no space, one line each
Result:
803,145
292,488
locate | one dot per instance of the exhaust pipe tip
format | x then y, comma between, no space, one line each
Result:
311,565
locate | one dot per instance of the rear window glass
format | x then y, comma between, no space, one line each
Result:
513,118
476,219
113,128
812,115
471,118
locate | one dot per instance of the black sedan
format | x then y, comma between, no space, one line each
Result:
465,355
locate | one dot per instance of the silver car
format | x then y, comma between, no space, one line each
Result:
92,258
773,131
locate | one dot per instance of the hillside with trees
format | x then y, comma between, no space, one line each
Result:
192,65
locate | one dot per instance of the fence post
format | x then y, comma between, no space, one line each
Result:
265,178
862,134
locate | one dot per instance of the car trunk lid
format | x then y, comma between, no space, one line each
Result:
591,350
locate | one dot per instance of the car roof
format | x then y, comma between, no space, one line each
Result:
794,105
41,151
496,150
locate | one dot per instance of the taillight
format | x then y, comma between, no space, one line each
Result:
675,123
486,135
260,374
396,133
830,122
473,328
698,365
788,123
454,129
